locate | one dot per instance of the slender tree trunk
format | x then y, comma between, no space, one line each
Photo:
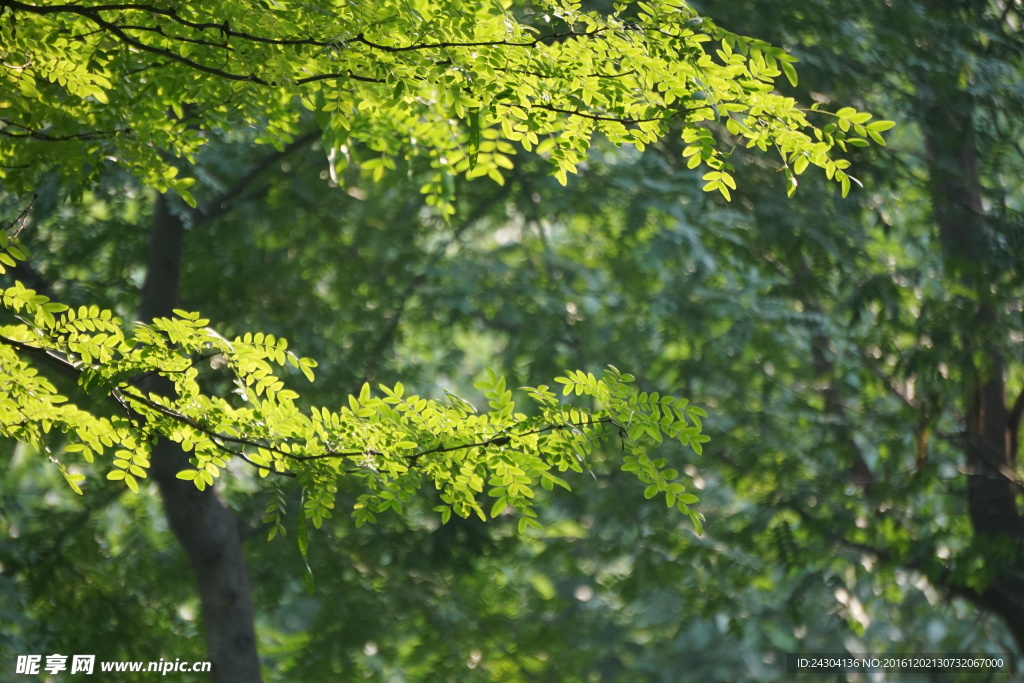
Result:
967,245
206,529
947,120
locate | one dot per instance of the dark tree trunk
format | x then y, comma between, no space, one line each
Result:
206,529
947,121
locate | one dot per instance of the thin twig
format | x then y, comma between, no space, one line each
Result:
21,218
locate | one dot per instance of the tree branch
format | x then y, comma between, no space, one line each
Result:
51,358
38,135
121,32
224,28
124,395
20,218
225,201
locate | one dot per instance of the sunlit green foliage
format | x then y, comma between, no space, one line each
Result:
394,444
85,86
90,85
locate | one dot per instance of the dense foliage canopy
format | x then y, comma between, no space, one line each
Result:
453,83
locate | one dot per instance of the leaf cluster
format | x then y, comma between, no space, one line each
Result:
94,84
393,442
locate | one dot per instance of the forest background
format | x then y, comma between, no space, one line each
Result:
859,359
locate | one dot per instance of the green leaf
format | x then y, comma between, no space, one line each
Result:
474,137
790,73
697,520
301,534
879,126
